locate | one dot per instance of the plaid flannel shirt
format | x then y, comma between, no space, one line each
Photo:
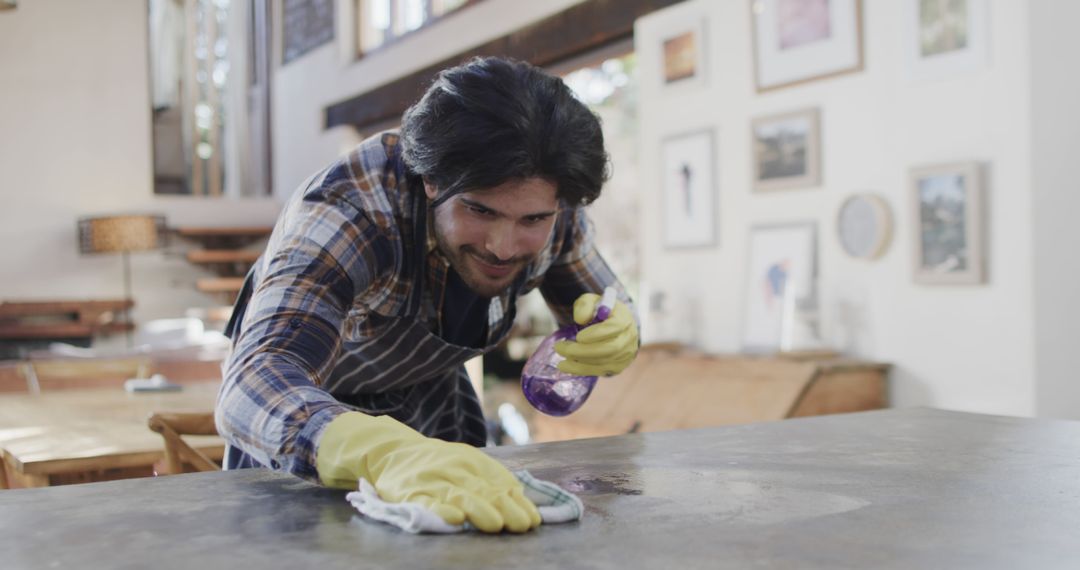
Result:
340,251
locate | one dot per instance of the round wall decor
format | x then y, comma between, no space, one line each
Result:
864,226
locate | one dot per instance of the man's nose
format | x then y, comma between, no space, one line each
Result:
501,242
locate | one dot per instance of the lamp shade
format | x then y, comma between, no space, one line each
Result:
108,234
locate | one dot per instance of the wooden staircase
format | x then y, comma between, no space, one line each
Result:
227,251
247,256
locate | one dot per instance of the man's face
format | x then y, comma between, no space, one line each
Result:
490,235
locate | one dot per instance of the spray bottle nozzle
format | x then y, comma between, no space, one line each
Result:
607,303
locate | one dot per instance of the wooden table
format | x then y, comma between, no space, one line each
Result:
76,436
69,319
885,489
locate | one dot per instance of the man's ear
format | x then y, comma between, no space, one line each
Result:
430,189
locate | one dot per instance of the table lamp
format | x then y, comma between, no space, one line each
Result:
123,234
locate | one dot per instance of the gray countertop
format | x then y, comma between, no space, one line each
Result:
915,488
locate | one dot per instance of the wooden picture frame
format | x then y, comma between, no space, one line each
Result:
682,46
689,190
796,41
786,150
947,209
946,39
682,56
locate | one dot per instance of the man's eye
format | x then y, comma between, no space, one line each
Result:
479,210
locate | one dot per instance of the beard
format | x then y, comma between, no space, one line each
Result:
465,259
480,283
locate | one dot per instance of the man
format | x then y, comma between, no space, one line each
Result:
399,262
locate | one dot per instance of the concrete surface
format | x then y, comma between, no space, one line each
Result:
887,489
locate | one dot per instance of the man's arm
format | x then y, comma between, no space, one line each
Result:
271,405
573,285
272,408
578,269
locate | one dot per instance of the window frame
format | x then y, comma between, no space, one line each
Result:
360,6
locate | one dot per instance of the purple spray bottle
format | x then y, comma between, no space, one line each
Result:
551,390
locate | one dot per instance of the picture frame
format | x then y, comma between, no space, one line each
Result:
689,195
304,26
796,41
946,38
780,284
682,45
947,210
786,150
682,57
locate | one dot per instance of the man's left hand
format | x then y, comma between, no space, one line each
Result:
603,349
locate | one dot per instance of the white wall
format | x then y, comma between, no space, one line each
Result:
1055,134
957,347
75,141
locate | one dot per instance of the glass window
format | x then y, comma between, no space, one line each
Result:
440,7
380,22
373,23
414,14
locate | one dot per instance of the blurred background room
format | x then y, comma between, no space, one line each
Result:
818,206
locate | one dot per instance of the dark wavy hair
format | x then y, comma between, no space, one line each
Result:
491,120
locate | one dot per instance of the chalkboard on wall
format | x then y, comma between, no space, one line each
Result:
306,25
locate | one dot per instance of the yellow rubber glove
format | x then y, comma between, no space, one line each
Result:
603,349
456,481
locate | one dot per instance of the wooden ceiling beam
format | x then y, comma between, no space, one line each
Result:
573,32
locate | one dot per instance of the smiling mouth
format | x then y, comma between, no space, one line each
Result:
494,270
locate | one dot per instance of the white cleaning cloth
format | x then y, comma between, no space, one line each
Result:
555,504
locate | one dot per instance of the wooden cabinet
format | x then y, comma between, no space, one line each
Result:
669,388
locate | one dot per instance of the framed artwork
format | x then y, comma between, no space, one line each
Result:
681,56
787,150
682,45
689,190
801,40
947,202
781,281
946,37
305,25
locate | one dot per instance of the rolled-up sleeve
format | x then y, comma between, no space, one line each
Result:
271,405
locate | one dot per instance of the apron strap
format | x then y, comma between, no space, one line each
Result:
240,306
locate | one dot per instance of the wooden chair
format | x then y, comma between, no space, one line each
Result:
177,451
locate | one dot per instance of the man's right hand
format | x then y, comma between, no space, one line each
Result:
454,480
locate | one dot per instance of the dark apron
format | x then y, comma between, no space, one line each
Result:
407,371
